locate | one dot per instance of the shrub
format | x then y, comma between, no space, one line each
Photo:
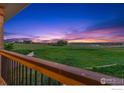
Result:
8,46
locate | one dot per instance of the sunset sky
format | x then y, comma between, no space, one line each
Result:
72,22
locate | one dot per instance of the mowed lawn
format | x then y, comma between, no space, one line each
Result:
79,56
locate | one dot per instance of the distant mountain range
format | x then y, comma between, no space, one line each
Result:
30,39
17,39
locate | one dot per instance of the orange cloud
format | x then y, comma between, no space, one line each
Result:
88,41
102,35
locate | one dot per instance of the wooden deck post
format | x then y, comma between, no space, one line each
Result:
1,27
1,31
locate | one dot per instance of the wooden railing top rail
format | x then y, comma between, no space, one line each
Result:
63,73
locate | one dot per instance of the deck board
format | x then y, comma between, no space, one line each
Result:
2,82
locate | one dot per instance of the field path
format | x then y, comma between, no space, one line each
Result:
102,66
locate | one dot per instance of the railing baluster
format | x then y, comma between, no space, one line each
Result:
3,67
35,77
14,73
49,81
26,76
41,79
22,74
5,70
19,73
9,71
30,76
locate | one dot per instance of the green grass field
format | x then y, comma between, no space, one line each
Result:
78,56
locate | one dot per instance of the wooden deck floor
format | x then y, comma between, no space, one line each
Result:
2,81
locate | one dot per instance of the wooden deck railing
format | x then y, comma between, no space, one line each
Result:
18,69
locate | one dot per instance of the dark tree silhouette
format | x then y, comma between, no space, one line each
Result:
62,43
